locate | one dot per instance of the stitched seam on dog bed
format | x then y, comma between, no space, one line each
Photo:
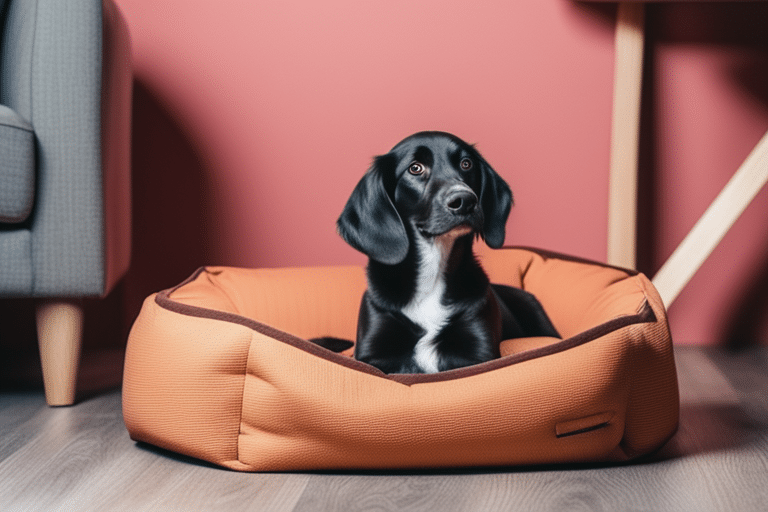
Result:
546,254
188,280
163,299
584,425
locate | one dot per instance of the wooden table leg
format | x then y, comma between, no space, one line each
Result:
625,135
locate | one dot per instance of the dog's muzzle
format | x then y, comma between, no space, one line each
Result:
456,206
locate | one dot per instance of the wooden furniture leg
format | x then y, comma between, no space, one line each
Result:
59,333
622,202
625,135
678,270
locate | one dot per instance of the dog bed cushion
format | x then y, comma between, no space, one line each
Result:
219,368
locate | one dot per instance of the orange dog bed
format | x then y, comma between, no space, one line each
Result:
218,368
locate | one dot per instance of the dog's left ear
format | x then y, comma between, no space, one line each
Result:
496,201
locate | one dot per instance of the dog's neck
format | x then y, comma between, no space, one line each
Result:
436,258
445,261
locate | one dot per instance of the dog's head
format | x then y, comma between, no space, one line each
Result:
431,183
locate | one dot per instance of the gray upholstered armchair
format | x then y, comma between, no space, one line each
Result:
65,110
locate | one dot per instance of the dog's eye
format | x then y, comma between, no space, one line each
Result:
416,168
465,164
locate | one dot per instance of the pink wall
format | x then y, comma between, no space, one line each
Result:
254,120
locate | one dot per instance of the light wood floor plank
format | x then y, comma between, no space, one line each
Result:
16,409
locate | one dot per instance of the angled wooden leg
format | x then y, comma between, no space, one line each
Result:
625,134
59,333
745,184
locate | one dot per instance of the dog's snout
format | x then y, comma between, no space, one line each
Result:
461,202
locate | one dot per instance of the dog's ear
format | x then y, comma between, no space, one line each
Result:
496,201
369,222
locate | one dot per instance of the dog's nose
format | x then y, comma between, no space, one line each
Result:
461,202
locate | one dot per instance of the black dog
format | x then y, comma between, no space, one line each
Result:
429,306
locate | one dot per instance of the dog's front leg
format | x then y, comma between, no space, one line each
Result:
386,339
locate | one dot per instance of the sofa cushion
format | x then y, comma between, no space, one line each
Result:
17,174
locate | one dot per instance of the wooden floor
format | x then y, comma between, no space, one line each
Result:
81,458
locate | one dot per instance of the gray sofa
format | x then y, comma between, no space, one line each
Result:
65,121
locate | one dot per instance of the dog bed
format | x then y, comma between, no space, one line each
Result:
218,368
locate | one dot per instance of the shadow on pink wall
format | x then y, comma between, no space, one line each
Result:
173,231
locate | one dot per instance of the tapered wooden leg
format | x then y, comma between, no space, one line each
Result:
59,333
625,134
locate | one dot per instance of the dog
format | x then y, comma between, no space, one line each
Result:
429,306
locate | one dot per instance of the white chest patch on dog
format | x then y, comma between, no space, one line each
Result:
426,308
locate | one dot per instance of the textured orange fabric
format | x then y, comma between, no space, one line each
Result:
218,368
